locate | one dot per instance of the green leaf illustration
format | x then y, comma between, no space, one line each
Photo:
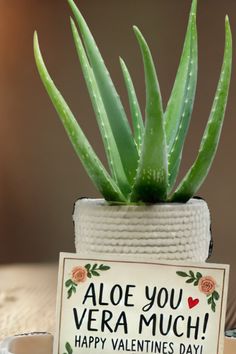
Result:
87,266
213,306
69,293
68,348
216,295
191,280
191,274
182,274
93,270
198,275
71,288
68,283
104,267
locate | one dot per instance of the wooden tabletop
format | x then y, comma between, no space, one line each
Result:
27,298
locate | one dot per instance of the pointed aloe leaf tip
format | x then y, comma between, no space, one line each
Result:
228,28
72,22
122,63
35,37
137,32
194,6
36,42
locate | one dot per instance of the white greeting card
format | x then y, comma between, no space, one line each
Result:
116,303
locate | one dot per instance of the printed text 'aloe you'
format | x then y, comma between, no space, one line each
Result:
109,305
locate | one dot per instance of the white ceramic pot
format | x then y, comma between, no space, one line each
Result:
168,231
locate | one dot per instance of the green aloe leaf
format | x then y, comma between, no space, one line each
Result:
199,170
134,106
84,150
112,103
180,105
151,181
112,152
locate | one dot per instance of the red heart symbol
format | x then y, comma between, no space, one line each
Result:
192,302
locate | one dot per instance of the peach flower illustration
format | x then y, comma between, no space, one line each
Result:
207,285
79,274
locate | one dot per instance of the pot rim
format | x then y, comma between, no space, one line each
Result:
100,202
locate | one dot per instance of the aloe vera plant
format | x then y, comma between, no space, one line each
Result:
144,161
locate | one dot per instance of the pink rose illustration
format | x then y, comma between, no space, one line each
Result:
207,285
79,274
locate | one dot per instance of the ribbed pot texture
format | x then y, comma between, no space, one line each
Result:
170,231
